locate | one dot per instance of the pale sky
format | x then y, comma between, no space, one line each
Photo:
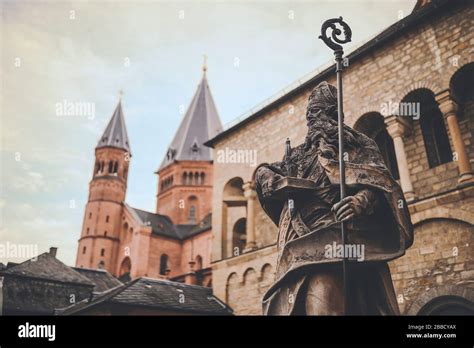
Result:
86,51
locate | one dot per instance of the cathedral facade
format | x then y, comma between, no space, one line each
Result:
174,242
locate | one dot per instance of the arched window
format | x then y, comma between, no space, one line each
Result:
202,178
97,167
433,129
102,252
239,237
185,178
163,264
192,203
107,218
192,214
190,178
125,236
102,166
87,231
196,178
198,263
83,250
462,90
111,167
116,167
372,124
101,264
125,268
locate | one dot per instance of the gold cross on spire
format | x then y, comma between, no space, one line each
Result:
204,65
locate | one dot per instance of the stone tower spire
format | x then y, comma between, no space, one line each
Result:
100,237
185,174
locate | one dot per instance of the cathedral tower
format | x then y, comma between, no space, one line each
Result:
185,174
100,237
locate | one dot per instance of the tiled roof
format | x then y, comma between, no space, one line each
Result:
115,135
162,224
102,279
200,123
48,267
158,294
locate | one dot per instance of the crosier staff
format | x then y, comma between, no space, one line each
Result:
337,38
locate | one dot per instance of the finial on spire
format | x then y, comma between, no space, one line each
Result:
204,64
120,92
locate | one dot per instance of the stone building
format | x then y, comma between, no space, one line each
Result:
43,285
410,89
175,241
40,285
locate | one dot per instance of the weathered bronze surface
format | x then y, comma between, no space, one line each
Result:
308,278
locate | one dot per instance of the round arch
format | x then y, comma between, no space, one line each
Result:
125,267
442,213
446,299
372,124
234,188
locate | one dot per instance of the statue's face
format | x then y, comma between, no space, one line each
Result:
323,100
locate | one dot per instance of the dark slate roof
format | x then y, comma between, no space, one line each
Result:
200,123
102,279
187,231
162,224
159,294
115,135
48,267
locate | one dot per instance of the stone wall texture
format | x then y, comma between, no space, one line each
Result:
424,57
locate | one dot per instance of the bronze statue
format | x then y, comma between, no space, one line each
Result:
301,196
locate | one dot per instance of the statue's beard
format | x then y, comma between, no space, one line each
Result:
323,134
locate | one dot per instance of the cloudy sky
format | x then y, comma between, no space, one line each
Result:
55,52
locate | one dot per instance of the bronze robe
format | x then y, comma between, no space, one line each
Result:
385,232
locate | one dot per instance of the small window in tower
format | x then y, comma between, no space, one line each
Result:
192,214
102,252
111,167
116,167
107,218
101,265
163,264
90,215
87,230
84,250
105,234
196,178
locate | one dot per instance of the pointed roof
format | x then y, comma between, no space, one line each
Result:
200,123
115,135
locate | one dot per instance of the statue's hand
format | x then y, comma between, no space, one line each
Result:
347,208
267,184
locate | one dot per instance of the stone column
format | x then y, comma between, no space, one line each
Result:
449,108
397,128
251,195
